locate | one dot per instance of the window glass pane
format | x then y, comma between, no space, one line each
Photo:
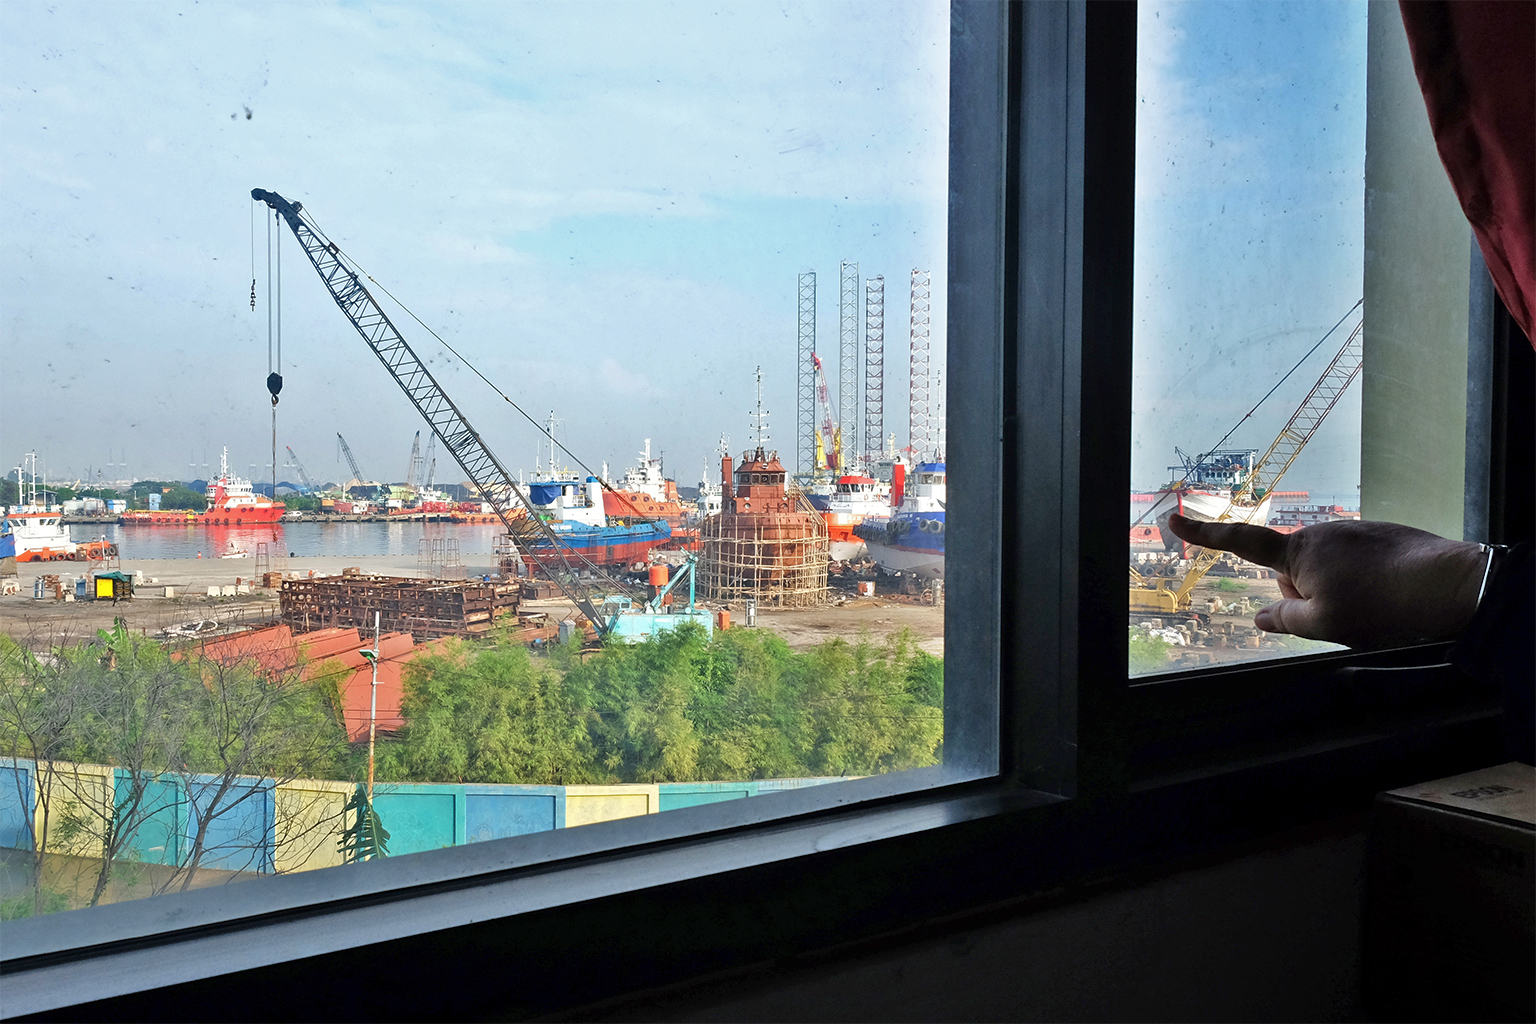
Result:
681,268
1250,194
1301,337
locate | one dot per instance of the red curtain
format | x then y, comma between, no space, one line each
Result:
1476,64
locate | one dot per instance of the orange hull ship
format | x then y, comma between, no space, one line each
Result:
231,502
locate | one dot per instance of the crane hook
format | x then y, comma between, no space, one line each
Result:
274,385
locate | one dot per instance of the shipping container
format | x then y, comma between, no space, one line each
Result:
500,812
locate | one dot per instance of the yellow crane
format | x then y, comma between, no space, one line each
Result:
1156,595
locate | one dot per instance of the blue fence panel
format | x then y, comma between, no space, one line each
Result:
160,815
499,812
421,817
692,794
766,786
18,802
241,822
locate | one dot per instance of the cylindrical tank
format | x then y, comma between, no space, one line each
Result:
658,576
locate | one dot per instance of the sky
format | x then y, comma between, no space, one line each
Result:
1250,185
604,207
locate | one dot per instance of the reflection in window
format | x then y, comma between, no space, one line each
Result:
616,233
1249,260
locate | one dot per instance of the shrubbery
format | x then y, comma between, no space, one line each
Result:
680,707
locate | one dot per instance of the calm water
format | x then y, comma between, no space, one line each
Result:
302,539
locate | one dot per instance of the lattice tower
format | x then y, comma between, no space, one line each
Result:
920,412
874,366
848,361
805,378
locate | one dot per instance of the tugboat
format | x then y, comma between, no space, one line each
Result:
34,533
855,500
231,502
575,512
645,491
911,538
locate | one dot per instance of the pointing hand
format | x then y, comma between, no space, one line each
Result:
1364,584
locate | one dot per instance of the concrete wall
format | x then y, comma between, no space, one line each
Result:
1414,398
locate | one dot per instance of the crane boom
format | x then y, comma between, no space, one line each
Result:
346,450
308,483
1293,437
414,466
497,486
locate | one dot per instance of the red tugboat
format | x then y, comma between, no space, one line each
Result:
231,502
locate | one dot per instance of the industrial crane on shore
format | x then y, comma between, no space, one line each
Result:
1153,595
346,450
309,485
497,487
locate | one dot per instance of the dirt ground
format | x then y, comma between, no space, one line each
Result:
45,623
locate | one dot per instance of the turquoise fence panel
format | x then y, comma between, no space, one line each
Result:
692,794
499,812
766,786
18,802
158,820
238,819
420,817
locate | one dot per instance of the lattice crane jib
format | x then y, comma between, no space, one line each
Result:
1293,437
346,450
413,467
309,484
919,414
848,362
874,367
496,485
805,388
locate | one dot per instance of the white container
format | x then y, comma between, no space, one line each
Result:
170,591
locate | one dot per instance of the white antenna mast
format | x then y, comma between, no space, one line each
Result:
760,417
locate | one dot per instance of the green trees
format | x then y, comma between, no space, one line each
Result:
680,707
138,749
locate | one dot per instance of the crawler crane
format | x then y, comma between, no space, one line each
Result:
496,485
1154,595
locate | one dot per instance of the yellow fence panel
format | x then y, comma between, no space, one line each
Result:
585,805
309,817
80,803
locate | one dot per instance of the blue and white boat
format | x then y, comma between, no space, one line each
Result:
911,538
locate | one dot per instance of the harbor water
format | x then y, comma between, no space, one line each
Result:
301,540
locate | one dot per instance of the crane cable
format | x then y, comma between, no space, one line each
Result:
1217,446
343,255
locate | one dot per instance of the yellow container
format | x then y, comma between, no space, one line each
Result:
80,803
585,805
309,818
104,588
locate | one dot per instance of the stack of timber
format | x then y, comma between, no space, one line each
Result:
424,608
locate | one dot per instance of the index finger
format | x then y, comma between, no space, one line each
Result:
1254,543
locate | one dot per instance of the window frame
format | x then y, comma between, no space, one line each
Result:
1070,771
